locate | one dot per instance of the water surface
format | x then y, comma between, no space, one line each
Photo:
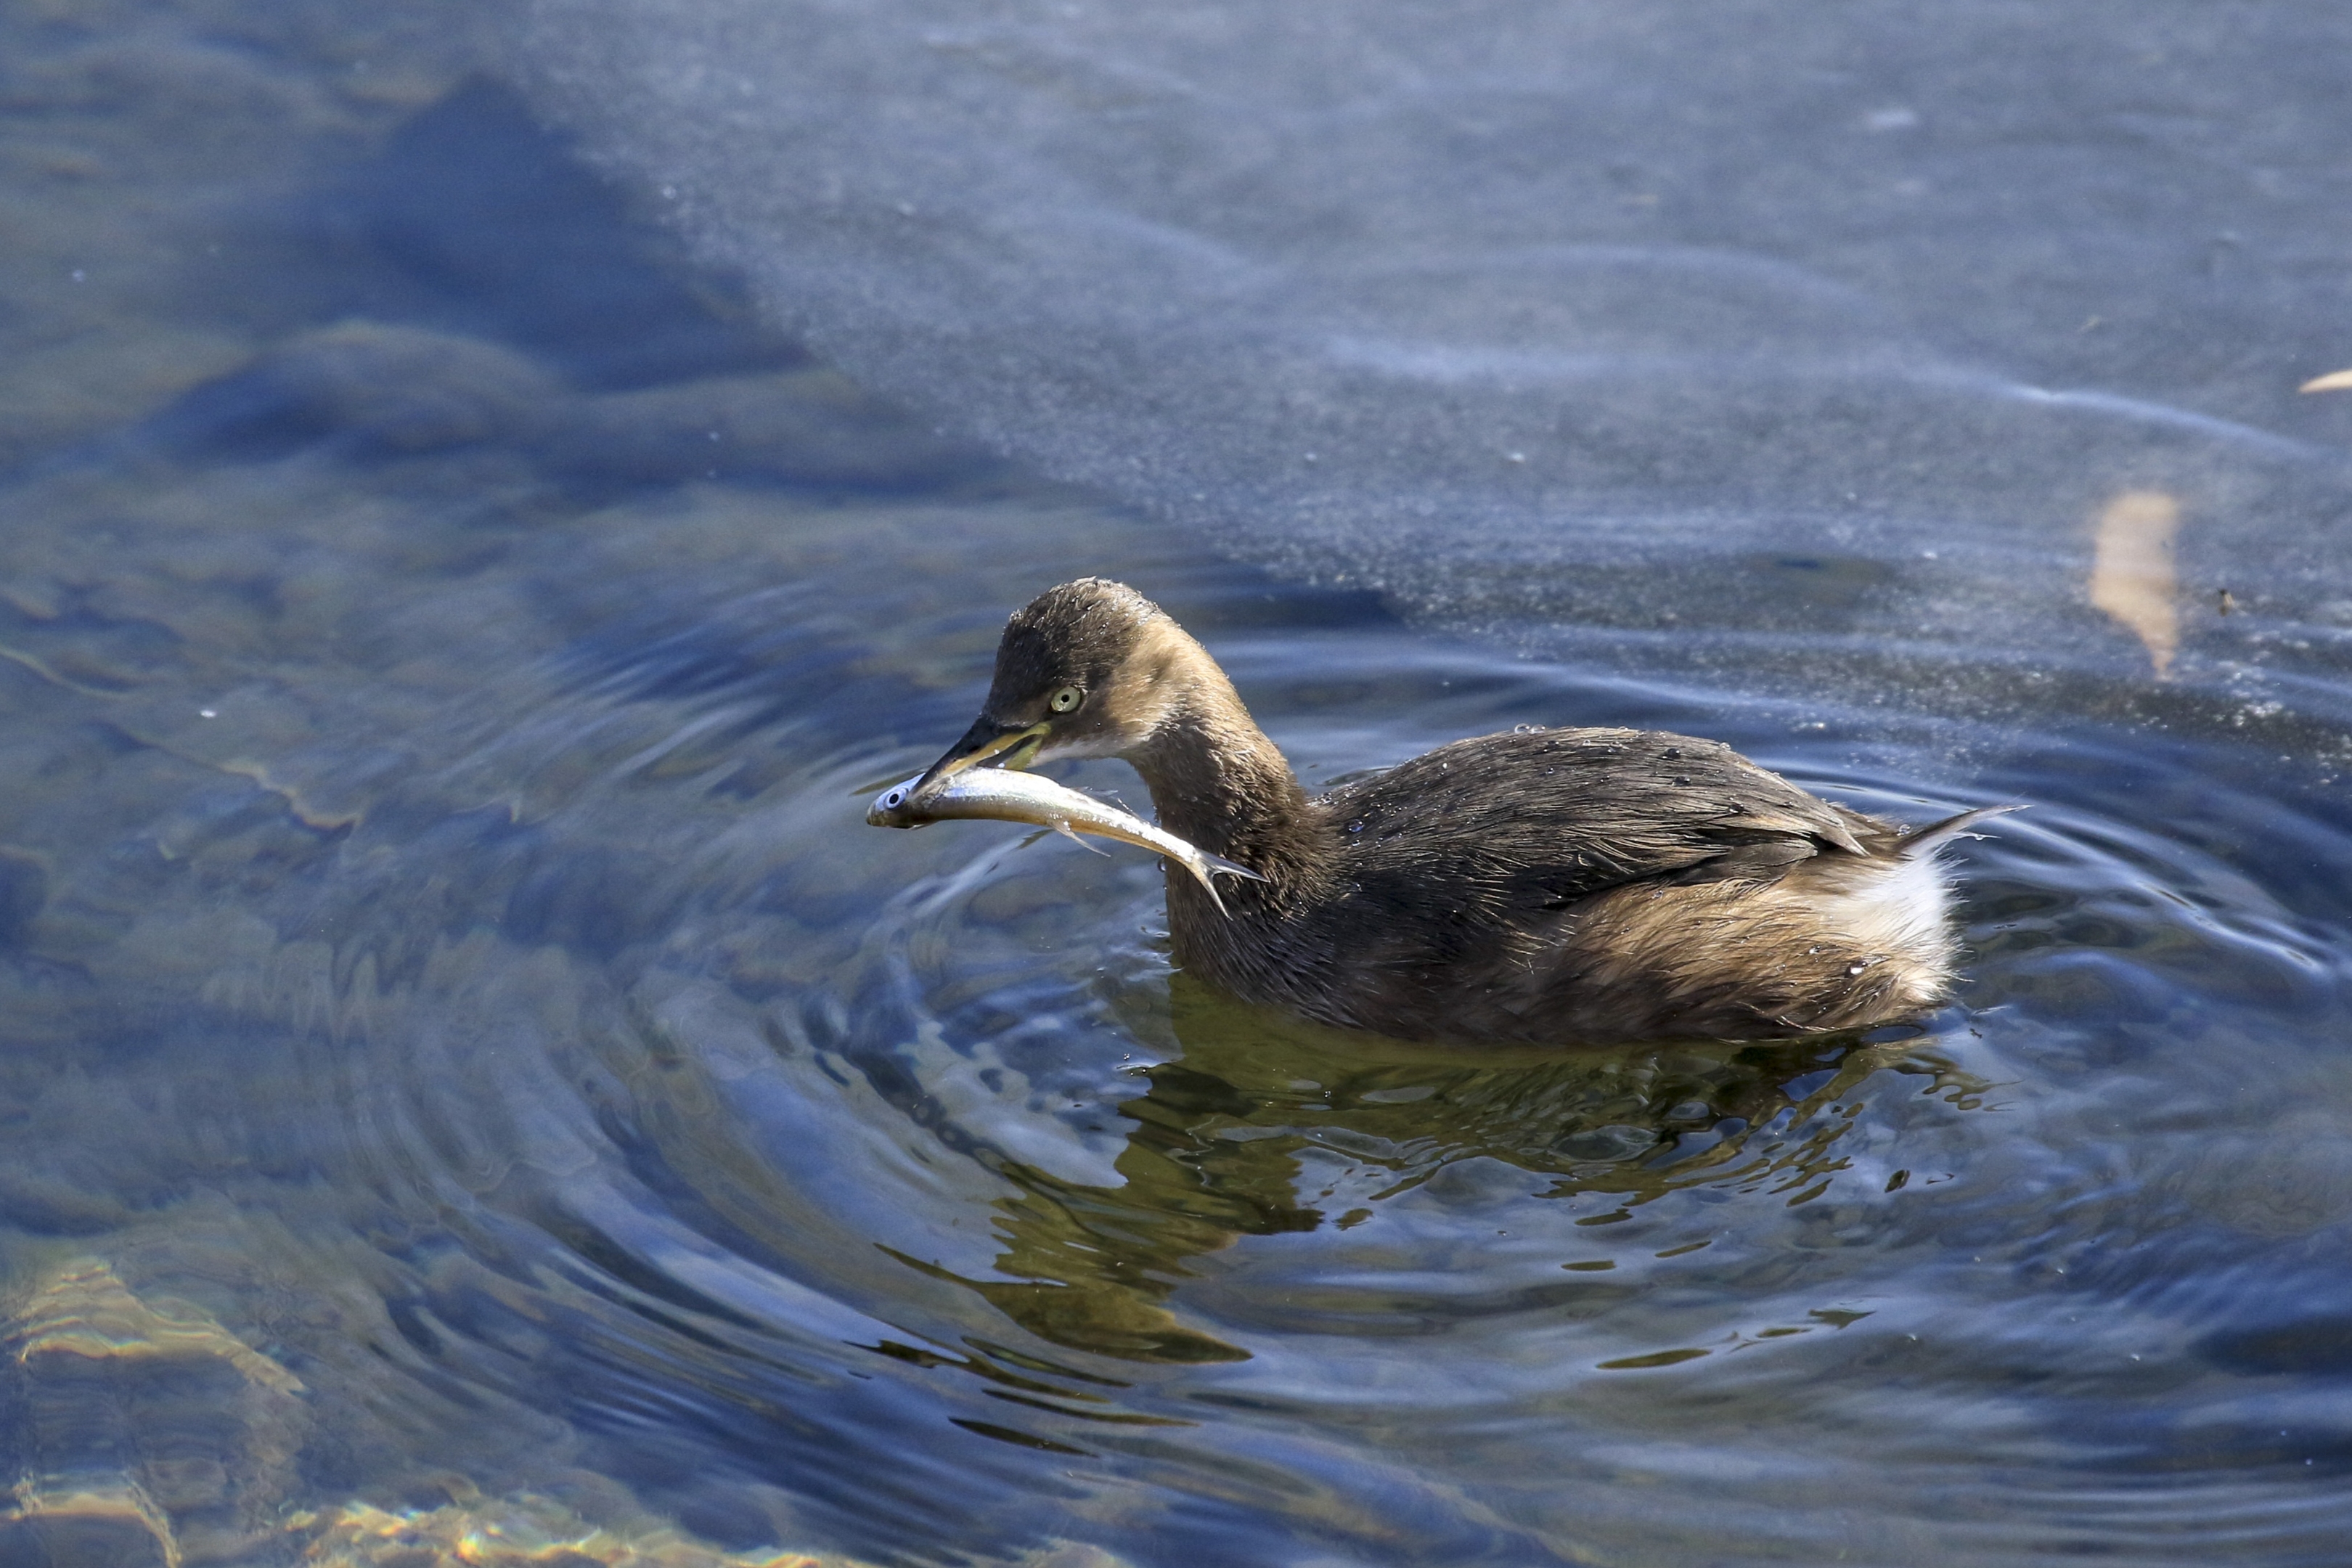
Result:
474,1086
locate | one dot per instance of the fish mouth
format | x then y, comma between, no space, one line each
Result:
891,809
1014,746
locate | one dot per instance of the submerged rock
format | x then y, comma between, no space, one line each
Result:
523,1531
144,1433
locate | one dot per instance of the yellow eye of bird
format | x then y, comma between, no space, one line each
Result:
1064,700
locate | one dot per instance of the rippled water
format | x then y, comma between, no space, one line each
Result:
473,1086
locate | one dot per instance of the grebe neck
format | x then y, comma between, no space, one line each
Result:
1217,780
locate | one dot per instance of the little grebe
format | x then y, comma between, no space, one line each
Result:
1551,886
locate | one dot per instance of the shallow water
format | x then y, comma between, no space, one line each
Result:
473,1085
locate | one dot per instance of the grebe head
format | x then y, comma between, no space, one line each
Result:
1091,668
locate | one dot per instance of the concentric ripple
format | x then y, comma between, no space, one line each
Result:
701,1115
654,1118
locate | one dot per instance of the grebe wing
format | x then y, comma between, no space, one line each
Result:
1542,820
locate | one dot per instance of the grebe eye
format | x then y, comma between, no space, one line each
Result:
1066,699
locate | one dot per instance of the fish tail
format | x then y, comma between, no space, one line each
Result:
1925,839
1201,864
1206,874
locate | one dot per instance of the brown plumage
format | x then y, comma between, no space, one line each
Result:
1554,886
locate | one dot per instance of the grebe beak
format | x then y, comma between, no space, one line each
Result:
1016,746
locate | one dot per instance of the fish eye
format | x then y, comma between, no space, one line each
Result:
894,797
1066,699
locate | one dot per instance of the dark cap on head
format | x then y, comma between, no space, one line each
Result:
1062,685
1078,631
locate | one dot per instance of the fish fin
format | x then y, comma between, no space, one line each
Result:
1925,839
1066,831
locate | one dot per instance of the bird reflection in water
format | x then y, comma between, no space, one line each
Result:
1224,1134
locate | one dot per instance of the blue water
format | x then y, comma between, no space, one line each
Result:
465,1058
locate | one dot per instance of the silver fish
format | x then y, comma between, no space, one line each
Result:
1000,794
